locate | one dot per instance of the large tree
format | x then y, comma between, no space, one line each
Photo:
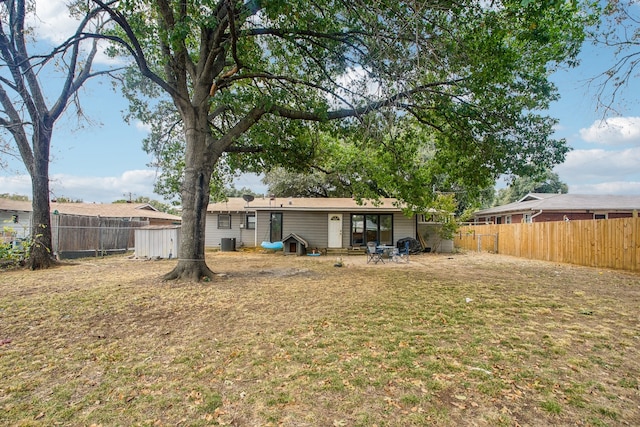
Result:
312,183
30,107
250,76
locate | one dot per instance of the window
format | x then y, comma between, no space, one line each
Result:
357,230
526,218
371,228
507,219
250,221
275,227
600,216
428,217
224,221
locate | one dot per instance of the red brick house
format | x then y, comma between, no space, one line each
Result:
542,207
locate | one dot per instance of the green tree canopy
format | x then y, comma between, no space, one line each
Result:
408,91
549,182
14,196
313,183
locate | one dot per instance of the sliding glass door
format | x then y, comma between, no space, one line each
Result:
371,228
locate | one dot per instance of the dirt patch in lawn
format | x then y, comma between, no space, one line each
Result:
464,339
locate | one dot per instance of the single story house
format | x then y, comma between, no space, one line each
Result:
124,211
323,223
542,207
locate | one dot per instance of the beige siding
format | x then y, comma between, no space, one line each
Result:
214,235
310,225
313,227
403,227
262,227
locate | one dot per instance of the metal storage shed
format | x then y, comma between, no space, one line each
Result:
157,241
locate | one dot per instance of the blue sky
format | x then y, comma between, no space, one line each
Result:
102,160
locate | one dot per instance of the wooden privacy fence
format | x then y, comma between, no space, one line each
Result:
606,243
92,236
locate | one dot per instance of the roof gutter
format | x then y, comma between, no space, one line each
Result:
535,215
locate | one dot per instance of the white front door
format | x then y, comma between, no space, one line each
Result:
335,231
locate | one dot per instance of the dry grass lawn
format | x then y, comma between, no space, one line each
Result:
448,340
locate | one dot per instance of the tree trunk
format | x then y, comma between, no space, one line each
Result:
40,255
195,200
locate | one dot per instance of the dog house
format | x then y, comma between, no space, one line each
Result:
294,244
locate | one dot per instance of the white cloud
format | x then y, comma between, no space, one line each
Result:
600,171
16,184
105,189
143,127
357,84
602,163
89,188
52,21
613,131
613,187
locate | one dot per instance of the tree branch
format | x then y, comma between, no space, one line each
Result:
134,48
15,126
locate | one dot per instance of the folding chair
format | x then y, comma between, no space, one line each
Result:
373,254
402,254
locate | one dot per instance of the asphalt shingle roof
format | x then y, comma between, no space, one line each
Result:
566,203
107,210
237,204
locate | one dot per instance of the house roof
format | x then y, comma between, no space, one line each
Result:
237,204
14,205
107,210
565,203
295,237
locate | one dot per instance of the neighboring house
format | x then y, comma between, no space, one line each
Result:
542,207
123,211
323,223
15,220
10,209
84,227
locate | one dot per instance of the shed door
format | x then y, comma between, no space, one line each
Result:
335,231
